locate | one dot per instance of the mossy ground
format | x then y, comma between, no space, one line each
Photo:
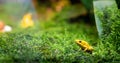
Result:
54,42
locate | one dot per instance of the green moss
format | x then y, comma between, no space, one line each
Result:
48,42
110,19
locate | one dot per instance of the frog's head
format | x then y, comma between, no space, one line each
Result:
79,42
28,16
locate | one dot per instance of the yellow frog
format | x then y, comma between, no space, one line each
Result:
84,46
27,21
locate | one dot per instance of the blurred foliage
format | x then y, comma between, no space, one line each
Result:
88,4
71,12
118,3
47,10
68,8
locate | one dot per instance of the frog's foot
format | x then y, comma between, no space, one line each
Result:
88,51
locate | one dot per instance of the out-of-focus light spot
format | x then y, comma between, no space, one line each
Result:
4,28
27,21
7,28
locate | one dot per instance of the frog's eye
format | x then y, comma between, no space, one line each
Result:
80,41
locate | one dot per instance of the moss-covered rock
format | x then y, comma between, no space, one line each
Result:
110,19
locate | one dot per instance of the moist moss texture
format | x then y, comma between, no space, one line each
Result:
110,20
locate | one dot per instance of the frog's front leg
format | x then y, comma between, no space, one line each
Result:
85,49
